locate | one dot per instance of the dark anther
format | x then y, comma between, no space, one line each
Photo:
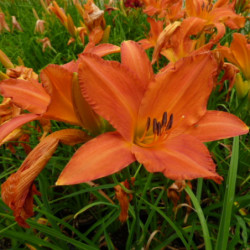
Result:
164,119
170,122
202,6
148,124
154,126
158,128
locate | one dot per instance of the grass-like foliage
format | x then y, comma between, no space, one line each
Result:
200,215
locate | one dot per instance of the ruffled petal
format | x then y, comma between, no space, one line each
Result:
112,90
102,156
216,125
16,122
180,158
136,59
28,95
58,83
101,50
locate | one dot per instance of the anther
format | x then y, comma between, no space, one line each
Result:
203,6
170,122
158,128
154,126
164,119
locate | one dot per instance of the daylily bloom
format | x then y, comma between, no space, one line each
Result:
174,41
161,120
216,15
18,190
54,100
8,110
170,10
239,55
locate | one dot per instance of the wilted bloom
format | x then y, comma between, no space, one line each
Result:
16,24
19,189
124,198
161,120
39,28
3,24
45,43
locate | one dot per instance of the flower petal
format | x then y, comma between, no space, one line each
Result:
182,90
135,58
112,90
215,125
18,190
16,122
102,156
101,50
89,119
241,51
29,95
180,158
58,83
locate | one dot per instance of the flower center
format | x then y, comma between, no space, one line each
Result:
156,131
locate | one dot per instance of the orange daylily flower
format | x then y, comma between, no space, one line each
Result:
170,10
19,189
216,15
54,100
177,44
161,120
239,55
8,110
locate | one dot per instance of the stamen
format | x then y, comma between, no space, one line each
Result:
155,126
164,119
203,6
170,122
158,128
